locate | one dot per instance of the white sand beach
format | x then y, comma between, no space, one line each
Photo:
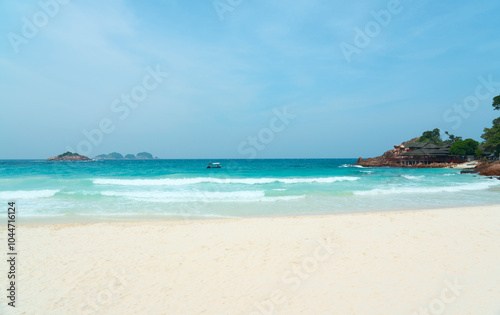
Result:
444,261
466,166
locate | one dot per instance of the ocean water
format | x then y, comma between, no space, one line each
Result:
186,189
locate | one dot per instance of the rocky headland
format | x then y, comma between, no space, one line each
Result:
386,159
484,168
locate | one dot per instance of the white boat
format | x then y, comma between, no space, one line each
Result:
214,165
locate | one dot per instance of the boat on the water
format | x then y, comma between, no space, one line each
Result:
214,165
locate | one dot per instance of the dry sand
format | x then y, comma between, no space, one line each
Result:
417,262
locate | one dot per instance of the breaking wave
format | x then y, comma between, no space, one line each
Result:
27,194
199,180
426,190
412,177
198,196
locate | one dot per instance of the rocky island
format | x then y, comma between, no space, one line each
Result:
69,156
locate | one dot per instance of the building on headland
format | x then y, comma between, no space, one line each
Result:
426,153
416,154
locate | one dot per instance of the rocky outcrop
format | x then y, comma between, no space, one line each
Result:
376,162
489,169
384,159
69,156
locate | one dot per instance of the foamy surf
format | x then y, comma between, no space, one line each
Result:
200,180
427,190
412,177
27,194
198,196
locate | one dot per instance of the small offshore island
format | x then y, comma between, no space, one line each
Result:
69,156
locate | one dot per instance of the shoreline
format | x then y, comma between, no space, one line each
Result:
98,219
395,262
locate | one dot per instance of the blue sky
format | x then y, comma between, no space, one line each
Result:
232,64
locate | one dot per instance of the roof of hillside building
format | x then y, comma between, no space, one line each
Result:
423,152
427,148
416,145
427,145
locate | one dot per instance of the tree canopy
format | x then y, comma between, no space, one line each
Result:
496,102
464,147
491,137
433,136
452,138
459,146
68,154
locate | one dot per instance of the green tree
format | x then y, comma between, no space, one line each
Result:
464,147
496,102
491,137
452,138
479,153
130,156
433,136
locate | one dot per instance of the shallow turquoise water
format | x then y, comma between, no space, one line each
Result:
187,189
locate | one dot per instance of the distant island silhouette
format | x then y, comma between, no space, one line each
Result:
70,156
118,156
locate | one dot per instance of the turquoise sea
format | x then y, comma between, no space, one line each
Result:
186,189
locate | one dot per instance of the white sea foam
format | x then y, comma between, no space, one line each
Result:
197,196
351,165
82,192
426,190
412,177
199,180
185,194
27,194
283,198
